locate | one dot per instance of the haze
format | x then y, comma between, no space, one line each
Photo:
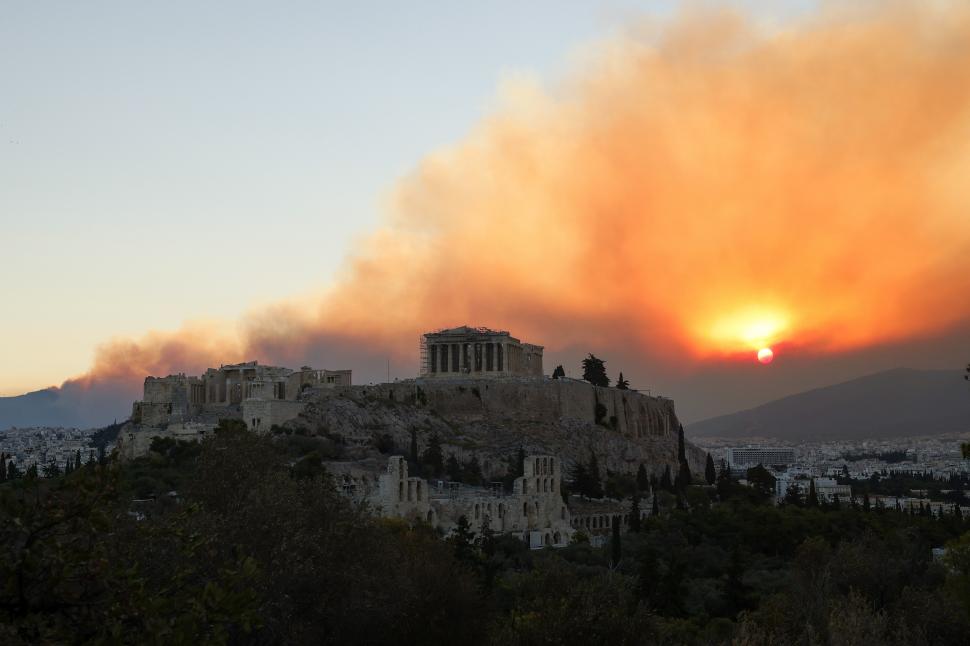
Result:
669,190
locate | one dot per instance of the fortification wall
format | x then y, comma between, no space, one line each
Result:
542,400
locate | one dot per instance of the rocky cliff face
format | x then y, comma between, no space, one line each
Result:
492,418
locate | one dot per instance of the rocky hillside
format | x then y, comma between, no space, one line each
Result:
492,419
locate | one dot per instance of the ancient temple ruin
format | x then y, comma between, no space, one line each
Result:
478,352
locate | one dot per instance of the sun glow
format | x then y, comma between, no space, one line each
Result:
765,355
753,329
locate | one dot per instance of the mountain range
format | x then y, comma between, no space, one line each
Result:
894,403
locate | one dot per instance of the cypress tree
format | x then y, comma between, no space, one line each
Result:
635,514
812,500
13,473
31,472
865,501
681,449
433,456
77,459
615,549
580,479
453,469
643,482
593,473
472,473
622,384
655,508
710,473
3,467
665,483
683,476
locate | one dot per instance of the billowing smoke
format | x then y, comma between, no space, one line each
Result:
695,191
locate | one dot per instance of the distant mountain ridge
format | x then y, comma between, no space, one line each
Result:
894,403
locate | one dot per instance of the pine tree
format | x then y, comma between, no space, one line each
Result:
594,371
615,548
622,384
13,473
635,514
31,472
710,473
559,373
643,481
102,458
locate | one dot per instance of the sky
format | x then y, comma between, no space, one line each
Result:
235,179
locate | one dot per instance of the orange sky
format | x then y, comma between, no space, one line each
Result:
702,189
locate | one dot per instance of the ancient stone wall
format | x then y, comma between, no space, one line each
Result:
263,414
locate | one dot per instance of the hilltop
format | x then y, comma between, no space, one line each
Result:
894,403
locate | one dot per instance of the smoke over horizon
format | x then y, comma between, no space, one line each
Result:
695,191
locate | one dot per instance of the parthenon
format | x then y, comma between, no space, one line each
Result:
478,352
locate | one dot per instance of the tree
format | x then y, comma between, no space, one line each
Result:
865,501
593,473
31,472
453,468
579,478
793,495
414,445
681,448
622,384
594,371
13,473
643,481
77,459
761,480
683,477
710,473
655,505
472,472
812,499
559,373
665,484
615,548
462,540
52,470
635,514
433,456
3,467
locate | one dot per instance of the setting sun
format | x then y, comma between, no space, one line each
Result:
765,355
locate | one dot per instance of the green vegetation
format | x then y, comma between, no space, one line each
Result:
245,539
594,371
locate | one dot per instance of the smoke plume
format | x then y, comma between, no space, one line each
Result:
696,190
